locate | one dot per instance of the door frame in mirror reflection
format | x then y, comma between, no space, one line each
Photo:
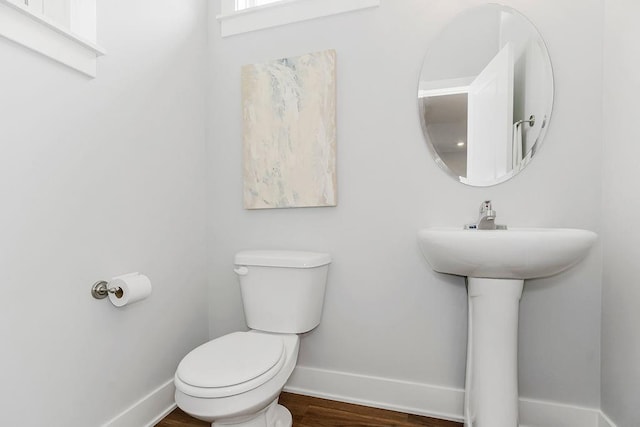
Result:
477,139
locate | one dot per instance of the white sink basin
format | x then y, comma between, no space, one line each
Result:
516,253
496,263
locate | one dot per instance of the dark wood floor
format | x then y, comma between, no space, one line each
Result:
313,412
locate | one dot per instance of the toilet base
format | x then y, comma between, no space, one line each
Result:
274,415
282,417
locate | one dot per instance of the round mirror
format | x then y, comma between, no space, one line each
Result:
485,95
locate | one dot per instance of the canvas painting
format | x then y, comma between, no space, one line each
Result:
289,132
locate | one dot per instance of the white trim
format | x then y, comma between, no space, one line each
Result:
403,396
396,395
286,12
604,421
430,93
39,33
534,413
149,410
444,87
427,400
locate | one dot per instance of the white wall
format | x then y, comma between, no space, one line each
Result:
99,178
480,49
621,207
386,313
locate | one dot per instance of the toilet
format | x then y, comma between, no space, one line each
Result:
235,380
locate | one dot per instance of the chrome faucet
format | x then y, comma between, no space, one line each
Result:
487,219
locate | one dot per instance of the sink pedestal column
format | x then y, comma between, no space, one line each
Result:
491,389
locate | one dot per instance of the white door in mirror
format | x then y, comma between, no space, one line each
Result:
489,120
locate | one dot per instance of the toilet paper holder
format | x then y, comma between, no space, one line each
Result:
101,290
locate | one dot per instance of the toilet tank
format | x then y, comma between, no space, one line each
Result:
282,291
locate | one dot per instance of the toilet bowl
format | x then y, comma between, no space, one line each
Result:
241,389
235,380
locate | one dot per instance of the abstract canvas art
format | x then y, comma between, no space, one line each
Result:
289,132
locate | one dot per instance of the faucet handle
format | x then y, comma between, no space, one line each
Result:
485,206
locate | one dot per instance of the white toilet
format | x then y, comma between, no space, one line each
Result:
235,380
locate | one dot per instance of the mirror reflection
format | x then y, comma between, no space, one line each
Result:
485,95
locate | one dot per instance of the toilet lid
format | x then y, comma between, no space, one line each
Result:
231,360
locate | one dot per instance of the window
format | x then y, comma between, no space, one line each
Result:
246,4
56,10
241,16
63,30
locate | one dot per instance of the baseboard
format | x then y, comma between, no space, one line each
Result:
403,396
604,421
149,410
428,400
540,413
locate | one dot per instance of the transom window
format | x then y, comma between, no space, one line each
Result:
57,11
63,30
247,4
242,16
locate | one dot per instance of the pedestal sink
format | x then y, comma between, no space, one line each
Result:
496,263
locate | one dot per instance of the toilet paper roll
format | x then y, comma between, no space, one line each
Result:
133,287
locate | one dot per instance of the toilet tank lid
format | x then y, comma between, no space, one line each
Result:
277,258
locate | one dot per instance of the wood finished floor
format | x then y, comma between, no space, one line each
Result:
313,412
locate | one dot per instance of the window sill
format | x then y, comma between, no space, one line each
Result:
40,34
286,12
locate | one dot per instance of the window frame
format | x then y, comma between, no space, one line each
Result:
283,12
252,1
49,38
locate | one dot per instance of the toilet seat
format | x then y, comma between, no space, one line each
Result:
230,365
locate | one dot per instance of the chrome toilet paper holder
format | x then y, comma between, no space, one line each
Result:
101,290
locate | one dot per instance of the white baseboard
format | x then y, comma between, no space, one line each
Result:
403,396
428,400
149,410
540,413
